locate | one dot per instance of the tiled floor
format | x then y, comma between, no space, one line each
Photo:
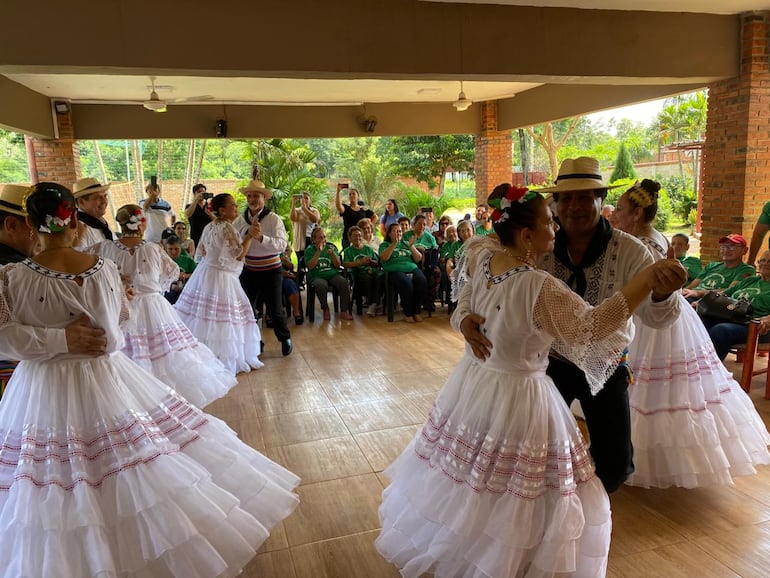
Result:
346,402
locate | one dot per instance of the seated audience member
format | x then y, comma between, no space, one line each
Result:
447,252
680,244
759,233
370,239
390,216
480,210
323,271
607,211
289,287
430,224
364,264
173,247
464,232
426,244
755,289
405,224
485,226
188,245
722,274
440,233
400,260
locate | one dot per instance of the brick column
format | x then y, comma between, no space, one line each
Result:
736,156
493,163
57,160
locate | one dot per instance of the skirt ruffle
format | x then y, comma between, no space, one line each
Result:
216,309
158,340
691,423
497,483
91,488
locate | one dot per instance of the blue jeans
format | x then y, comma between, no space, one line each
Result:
411,288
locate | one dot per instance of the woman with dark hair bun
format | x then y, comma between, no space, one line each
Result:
691,423
156,338
499,481
104,469
213,304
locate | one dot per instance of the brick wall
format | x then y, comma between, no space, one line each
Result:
57,160
493,153
736,156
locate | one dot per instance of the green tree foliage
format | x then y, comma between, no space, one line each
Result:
371,172
683,120
13,158
412,199
624,167
429,158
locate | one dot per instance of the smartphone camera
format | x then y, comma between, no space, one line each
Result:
207,195
361,203
154,181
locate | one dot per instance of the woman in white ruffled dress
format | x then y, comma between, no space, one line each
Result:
499,482
155,336
213,304
104,470
691,423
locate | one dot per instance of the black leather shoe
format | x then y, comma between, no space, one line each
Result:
287,347
299,320
261,347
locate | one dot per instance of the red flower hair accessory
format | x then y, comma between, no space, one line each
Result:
57,222
503,204
135,220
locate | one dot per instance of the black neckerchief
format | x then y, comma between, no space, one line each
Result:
595,249
95,223
261,215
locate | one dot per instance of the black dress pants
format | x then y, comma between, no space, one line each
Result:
608,419
266,286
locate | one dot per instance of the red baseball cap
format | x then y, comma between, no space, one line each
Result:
734,238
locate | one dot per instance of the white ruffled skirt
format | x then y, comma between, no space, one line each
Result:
691,423
498,483
216,309
105,472
157,340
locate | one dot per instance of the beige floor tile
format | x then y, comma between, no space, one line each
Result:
277,539
290,399
321,460
250,432
423,402
303,426
276,564
348,557
410,383
360,390
676,561
377,415
232,409
335,508
745,550
382,447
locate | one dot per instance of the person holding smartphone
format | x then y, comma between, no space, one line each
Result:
157,211
198,213
304,219
352,212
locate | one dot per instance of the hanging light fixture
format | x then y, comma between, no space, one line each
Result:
462,103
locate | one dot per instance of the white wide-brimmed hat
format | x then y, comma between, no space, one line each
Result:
12,199
87,186
580,174
257,186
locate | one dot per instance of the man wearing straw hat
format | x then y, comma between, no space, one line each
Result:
17,242
262,270
596,261
91,197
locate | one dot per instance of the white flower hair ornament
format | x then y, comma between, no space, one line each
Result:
135,220
503,204
57,222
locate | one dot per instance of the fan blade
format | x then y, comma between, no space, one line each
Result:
201,98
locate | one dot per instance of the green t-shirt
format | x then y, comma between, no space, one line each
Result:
426,240
324,269
717,276
693,266
764,218
185,262
449,249
480,230
400,259
350,253
756,290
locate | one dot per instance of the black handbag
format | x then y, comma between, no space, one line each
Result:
720,306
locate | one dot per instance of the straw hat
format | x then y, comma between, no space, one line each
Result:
12,199
87,186
580,174
257,186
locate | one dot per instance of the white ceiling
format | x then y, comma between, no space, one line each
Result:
121,88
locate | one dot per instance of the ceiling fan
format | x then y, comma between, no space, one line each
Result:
156,104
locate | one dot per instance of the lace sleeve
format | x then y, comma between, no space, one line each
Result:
232,241
593,338
169,270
